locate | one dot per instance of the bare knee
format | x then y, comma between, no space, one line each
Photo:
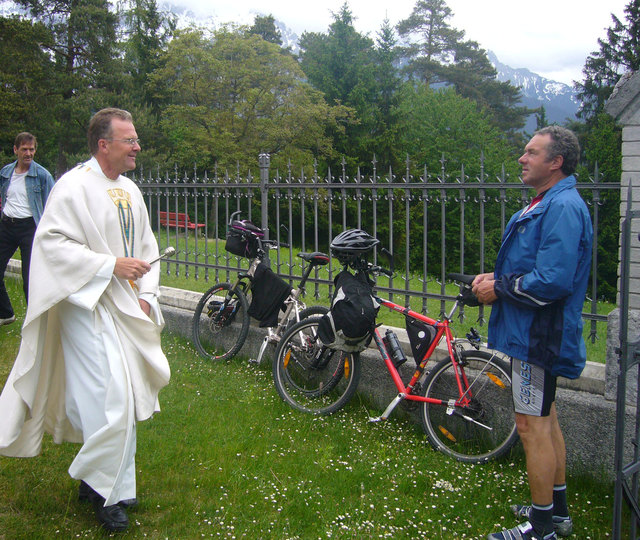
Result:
532,427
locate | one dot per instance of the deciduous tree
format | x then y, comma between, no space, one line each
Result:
235,96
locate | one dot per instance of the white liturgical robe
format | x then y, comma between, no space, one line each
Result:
90,362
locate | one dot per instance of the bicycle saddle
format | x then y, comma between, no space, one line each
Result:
315,258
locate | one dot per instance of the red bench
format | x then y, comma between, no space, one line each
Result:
179,220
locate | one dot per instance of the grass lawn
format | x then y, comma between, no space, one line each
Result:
226,458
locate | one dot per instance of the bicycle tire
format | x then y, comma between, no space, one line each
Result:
491,404
309,376
219,331
313,311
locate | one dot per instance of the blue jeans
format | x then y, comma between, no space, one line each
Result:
14,234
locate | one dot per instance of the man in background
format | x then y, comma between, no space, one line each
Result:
537,292
24,188
90,363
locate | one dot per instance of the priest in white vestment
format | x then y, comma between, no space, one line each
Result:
90,362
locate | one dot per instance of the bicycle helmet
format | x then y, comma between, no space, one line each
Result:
351,244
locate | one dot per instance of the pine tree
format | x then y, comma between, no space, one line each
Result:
437,53
147,31
618,53
85,52
265,27
436,40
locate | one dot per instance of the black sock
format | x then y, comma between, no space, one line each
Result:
541,518
560,507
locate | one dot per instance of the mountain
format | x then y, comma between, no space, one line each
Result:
185,17
559,100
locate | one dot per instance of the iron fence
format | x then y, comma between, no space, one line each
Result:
433,223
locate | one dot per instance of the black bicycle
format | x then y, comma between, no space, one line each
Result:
222,318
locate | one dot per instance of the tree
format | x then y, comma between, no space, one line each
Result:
438,54
451,119
146,32
265,27
341,64
434,48
618,53
235,96
85,55
541,117
388,82
28,82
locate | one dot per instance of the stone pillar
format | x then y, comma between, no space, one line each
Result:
624,107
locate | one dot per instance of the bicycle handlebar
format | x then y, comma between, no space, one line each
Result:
377,270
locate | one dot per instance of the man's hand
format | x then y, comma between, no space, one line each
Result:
145,306
483,287
130,268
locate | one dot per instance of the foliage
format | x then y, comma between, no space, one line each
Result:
341,64
234,96
87,70
617,54
147,31
28,79
438,54
265,27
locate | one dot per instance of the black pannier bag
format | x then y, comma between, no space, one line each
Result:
241,239
268,291
421,336
347,326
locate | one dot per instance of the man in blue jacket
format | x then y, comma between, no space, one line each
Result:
537,292
24,188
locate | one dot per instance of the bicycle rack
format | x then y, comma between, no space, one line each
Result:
627,474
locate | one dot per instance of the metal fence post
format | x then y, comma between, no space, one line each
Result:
264,161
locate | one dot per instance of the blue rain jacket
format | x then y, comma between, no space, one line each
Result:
541,273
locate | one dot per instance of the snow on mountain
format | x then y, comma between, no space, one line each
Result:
559,100
186,17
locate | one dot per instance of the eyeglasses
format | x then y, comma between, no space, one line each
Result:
130,142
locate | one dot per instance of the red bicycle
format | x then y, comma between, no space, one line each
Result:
465,400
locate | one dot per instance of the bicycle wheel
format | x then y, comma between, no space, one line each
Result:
221,322
483,429
313,311
309,376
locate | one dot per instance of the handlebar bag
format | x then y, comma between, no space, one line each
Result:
347,326
242,239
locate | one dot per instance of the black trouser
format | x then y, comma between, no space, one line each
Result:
14,234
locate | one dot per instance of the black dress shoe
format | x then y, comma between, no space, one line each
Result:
85,491
113,518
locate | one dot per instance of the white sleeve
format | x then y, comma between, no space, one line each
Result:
87,296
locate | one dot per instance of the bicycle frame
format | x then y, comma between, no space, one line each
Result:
405,392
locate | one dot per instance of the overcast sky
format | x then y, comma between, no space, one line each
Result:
550,37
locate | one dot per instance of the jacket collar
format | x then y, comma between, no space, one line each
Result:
568,182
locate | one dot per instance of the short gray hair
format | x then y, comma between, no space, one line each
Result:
563,143
100,126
